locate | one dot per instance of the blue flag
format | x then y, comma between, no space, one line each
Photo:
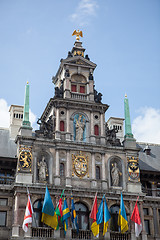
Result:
73,215
65,216
122,218
107,216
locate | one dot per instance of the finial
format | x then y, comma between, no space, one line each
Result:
27,82
78,34
125,95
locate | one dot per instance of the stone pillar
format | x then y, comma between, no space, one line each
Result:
94,182
92,136
133,237
155,220
68,134
102,129
154,189
15,226
57,177
68,170
144,235
104,181
57,133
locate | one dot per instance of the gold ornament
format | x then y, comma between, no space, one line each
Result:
133,169
80,165
25,159
78,34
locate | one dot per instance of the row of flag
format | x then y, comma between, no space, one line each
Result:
101,214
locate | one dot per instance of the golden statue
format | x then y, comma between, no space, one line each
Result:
78,34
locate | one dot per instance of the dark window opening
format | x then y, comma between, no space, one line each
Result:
62,126
97,172
3,218
73,88
96,130
3,201
82,216
114,211
61,169
147,227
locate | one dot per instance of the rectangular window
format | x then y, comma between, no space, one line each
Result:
82,89
3,201
73,88
3,217
147,228
145,210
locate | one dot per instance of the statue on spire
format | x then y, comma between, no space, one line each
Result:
78,34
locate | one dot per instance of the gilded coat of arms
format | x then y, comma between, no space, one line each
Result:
133,168
80,165
25,158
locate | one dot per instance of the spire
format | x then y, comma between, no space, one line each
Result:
128,130
26,121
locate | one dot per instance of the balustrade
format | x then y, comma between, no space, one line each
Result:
78,96
82,234
119,236
42,232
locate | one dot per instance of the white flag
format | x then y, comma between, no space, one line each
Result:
28,215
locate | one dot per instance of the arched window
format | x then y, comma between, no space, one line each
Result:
62,126
114,211
82,216
97,172
37,208
96,130
61,169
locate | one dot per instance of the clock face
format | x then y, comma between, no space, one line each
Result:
25,159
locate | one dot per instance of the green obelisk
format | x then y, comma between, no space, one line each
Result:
26,121
128,129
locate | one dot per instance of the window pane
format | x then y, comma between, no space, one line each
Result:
73,88
96,130
3,202
145,210
3,218
61,169
82,89
147,228
62,126
97,172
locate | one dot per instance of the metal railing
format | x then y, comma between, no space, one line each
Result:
42,232
6,180
120,236
83,234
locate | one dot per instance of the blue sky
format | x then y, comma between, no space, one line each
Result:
121,36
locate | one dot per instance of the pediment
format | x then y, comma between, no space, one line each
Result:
78,60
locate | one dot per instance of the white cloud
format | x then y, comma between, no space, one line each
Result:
83,12
4,113
146,127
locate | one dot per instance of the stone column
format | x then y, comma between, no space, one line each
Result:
94,182
155,220
15,226
104,181
92,136
68,170
102,129
68,134
154,188
57,177
144,235
57,133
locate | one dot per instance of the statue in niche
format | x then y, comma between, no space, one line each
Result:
43,171
115,173
79,125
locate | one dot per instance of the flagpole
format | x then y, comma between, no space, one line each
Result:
32,209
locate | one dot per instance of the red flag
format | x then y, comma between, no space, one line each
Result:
94,209
136,218
28,215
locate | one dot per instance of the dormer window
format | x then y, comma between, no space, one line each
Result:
147,150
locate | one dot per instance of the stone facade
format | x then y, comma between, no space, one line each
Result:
72,150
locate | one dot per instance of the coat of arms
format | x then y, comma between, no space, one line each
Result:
80,165
133,168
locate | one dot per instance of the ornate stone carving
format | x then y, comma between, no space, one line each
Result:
79,127
59,91
46,128
97,96
111,136
80,165
115,174
25,158
43,170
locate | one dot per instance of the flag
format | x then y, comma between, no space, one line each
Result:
135,217
93,215
28,215
48,214
122,218
99,216
73,215
59,209
65,216
107,216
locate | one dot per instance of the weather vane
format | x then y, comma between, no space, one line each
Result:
78,34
